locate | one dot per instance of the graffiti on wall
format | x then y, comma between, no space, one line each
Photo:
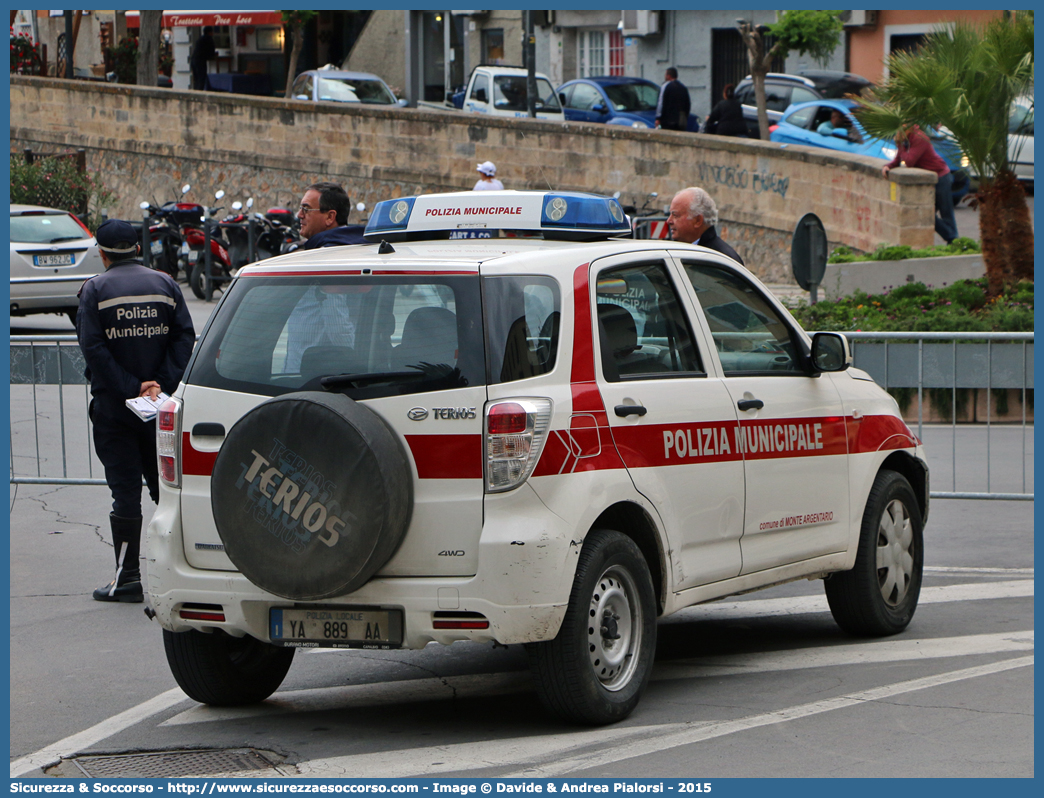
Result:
735,177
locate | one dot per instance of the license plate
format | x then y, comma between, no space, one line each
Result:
193,255
53,260
335,627
156,247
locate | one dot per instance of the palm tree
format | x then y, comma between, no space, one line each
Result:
966,80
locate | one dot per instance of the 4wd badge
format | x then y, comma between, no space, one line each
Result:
417,414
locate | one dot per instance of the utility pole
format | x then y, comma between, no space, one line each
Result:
69,44
529,50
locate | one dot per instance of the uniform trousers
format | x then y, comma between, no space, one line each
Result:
126,446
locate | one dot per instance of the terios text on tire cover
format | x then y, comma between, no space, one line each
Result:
505,420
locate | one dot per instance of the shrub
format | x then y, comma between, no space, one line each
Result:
914,307
959,246
57,183
25,55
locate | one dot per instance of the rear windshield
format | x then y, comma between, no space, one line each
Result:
379,336
50,228
354,90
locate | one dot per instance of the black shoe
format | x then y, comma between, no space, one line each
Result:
130,592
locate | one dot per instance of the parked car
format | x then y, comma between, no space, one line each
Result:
783,90
52,253
333,85
501,91
800,124
549,441
1020,140
614,101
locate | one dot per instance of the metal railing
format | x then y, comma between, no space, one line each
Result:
49,398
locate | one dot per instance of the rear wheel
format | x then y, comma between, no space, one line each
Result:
879,595
596,669
198,282
222,670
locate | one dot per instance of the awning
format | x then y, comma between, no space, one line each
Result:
184,19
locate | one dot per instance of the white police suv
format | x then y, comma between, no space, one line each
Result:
505,421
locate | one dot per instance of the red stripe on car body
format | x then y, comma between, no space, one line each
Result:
447,456
193,461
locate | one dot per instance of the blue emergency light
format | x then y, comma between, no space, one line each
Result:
483,214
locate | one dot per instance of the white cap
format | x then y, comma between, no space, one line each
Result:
487,168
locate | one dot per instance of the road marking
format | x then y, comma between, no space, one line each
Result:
704,731
484,684
463,757
802,605
958,569
48,756
487,684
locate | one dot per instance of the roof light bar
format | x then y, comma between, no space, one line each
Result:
556,214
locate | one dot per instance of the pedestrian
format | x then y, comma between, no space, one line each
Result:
673,105
202,52
487,178
692,218
913,149
323,214
136,336
839,121
726,118
322,316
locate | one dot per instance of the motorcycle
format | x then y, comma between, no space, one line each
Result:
165,231
194,240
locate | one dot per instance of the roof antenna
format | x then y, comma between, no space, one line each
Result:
385,248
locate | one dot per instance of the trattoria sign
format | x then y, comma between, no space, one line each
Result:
187,19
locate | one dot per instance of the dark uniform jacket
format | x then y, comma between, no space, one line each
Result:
336,236
133,326
675,106
711,240
727,119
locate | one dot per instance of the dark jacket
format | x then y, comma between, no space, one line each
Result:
203,51
336,237
674,106
727,119
133,326
711,240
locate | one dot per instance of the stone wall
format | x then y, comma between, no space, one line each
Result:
146,142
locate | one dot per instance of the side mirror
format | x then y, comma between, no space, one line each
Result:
300,96
219,193
402,103
830,352
840,133
185,188
143,205
360,207
237,205
250,203
599,108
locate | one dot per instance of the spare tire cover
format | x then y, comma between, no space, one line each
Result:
311,494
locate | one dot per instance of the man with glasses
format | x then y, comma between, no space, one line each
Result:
324,217
323,315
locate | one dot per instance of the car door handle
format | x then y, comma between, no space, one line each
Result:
629,410
209,428
750,404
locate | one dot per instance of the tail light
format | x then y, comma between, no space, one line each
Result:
194,237
79,221
515,433
168,442
773,128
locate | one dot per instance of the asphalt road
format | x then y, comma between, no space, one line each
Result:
763,685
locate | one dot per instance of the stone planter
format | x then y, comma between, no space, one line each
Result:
879,276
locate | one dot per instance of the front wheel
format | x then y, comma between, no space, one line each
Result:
198,281
879,595
595,670
222,670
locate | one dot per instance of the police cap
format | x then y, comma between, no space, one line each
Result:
117,236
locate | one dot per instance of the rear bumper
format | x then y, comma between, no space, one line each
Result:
521,586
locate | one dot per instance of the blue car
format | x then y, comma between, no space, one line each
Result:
614,101
801,124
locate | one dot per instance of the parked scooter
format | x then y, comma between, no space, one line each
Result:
166,223
192,248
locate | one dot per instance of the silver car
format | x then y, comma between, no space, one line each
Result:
52,253
331,85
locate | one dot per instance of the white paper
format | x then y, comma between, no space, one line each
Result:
145,407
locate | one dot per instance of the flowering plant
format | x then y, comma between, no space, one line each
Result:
56,182
25,55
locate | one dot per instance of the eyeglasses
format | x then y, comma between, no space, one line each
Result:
305,209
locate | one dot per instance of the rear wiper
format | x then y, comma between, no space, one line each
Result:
358,380
64,238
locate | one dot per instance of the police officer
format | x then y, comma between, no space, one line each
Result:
136,336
